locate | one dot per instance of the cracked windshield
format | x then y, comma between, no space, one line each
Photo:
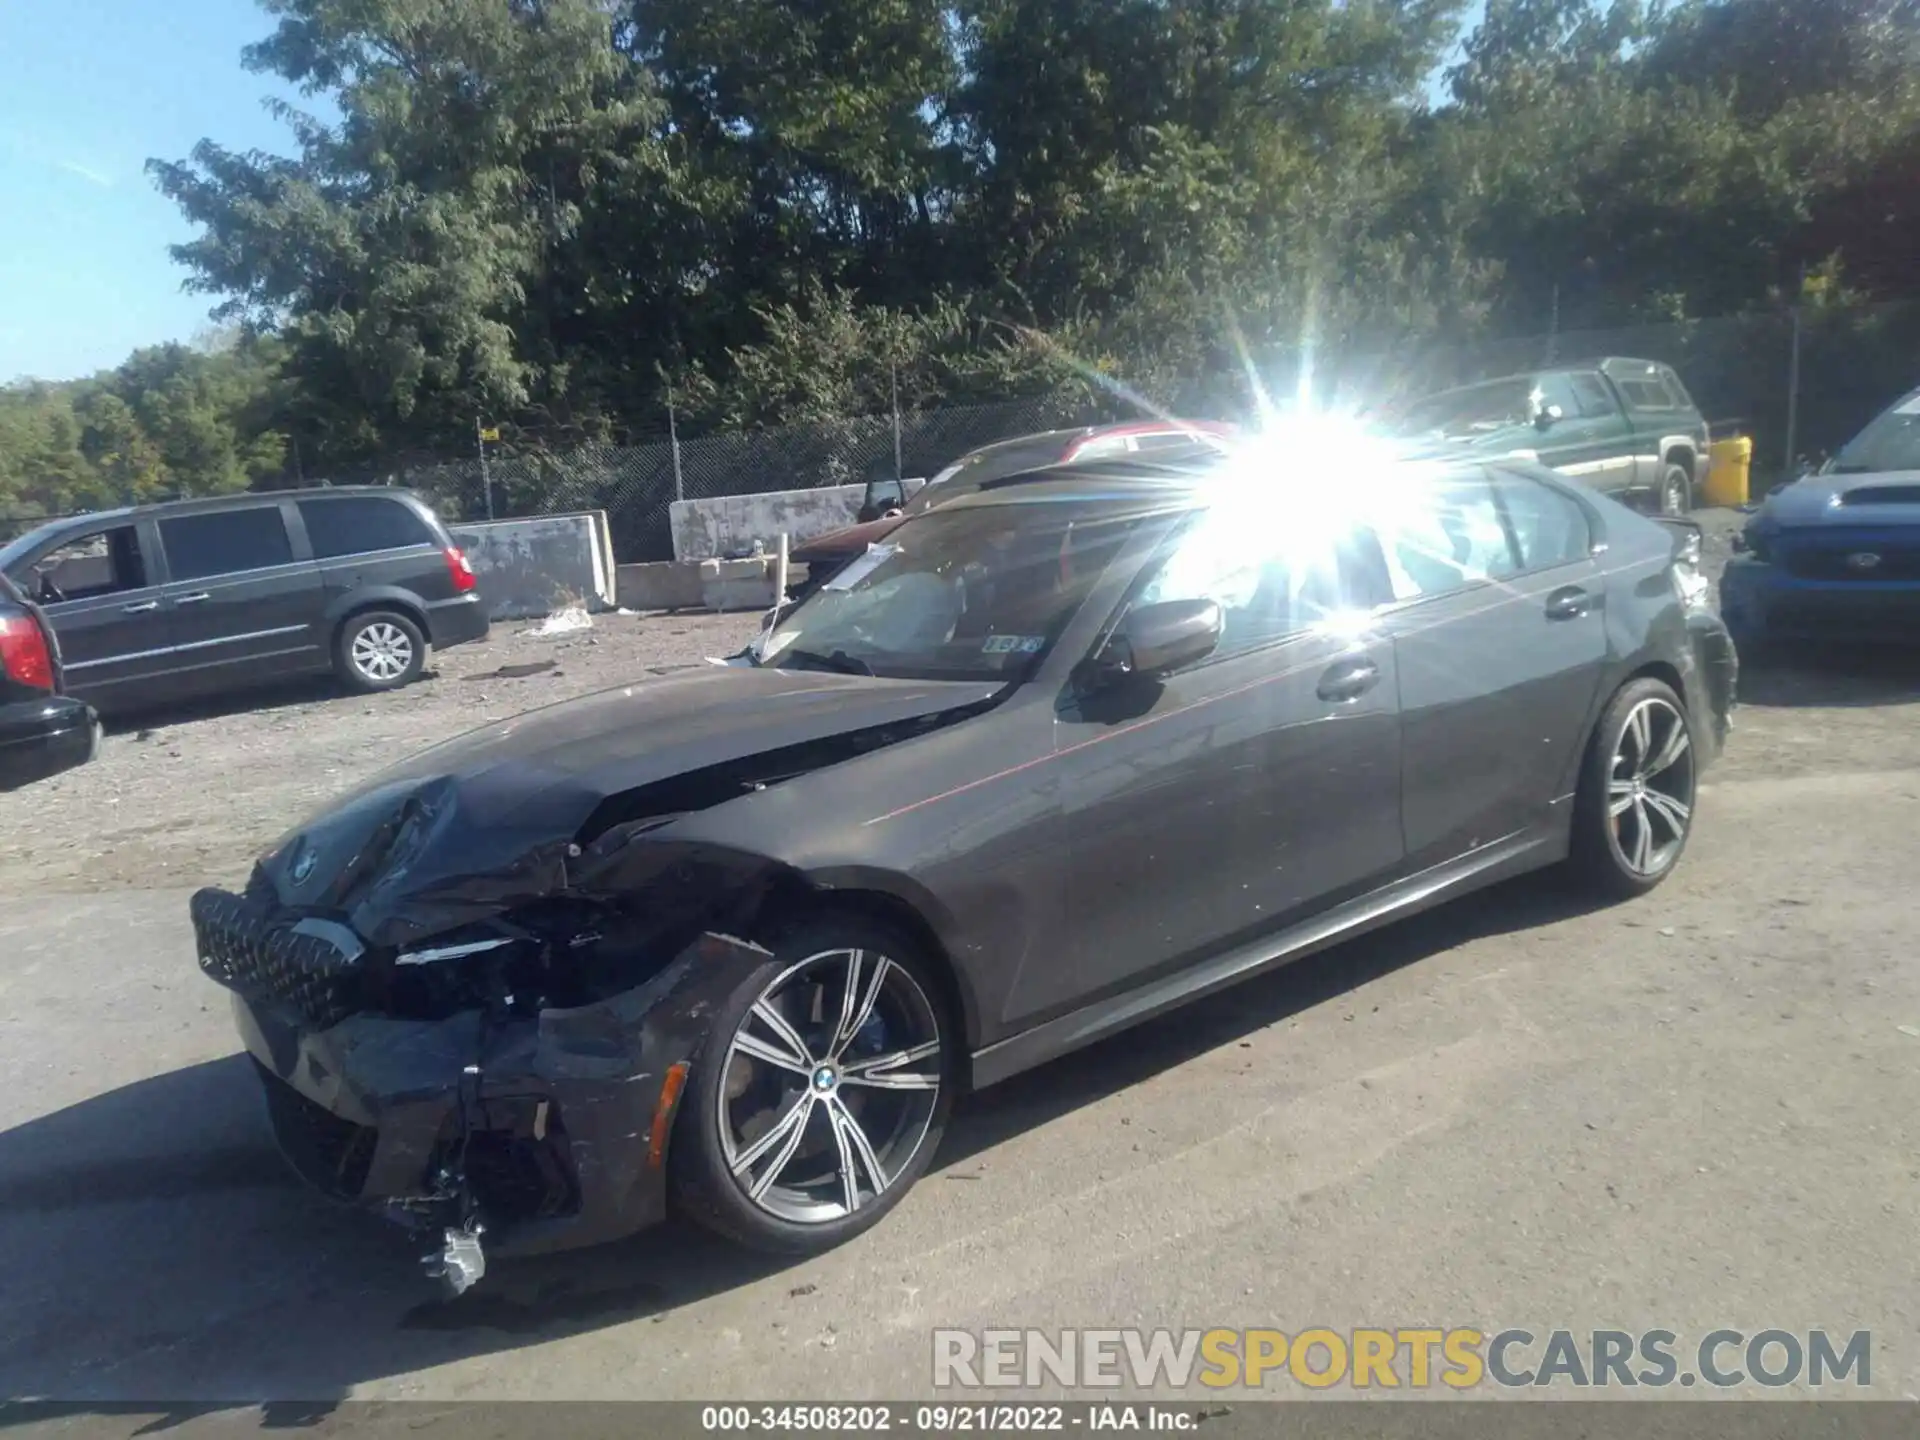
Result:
959,716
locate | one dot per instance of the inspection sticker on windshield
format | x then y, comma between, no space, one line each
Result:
856,570
1012,644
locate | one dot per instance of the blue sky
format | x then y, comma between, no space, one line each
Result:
91,89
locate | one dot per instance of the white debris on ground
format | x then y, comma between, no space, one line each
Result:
564,622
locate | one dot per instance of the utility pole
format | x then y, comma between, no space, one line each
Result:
1793,380
1553,328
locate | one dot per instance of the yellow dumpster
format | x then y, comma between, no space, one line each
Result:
1729,463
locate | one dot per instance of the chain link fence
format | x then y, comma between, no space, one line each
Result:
1800,383
636,484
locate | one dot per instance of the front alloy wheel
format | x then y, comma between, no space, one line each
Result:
825,1096
1635,807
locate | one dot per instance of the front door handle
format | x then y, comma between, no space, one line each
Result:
1349,680
1569,602
191,599
142,608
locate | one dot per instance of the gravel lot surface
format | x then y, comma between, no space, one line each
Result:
1698,1110
188,797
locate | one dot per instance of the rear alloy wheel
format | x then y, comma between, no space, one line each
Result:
826,1086
1676,491
379,650
1635,806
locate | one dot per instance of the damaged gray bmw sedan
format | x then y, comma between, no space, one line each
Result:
1056,757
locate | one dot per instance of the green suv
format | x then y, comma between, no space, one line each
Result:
1626,427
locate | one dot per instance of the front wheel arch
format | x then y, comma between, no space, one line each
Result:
793,905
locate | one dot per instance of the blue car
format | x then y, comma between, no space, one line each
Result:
1835,555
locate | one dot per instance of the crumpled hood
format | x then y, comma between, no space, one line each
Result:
488,818
1836,499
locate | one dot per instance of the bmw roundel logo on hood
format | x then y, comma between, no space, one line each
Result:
305,857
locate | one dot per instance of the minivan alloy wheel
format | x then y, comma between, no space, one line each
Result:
829,1086
382,652
1650,787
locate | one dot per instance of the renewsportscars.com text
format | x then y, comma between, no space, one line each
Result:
1400,1358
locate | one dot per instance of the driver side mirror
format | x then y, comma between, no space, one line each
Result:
883,498
1547,416
1155,640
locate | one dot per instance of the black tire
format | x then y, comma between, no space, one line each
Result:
1675,496
379,650
1607,855
744,1091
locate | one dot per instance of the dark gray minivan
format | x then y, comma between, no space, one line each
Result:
162,602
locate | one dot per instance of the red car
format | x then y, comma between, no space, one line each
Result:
824,555
43,731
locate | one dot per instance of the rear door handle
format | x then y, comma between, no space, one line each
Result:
142,608
1349,680
191,599
1568,603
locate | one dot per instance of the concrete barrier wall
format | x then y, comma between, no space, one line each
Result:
730,524
533,567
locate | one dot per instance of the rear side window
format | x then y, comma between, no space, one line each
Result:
1645,390
1451,536
1676,391
1549,528
224,542
360,524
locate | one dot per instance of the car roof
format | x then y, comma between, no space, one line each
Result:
95,519
1604,363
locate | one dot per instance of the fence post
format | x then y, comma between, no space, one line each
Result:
1793,395
673,440
893,380
486,475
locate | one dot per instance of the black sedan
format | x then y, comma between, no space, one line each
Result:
1057,757
43,731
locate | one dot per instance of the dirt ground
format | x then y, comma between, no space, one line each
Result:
190,796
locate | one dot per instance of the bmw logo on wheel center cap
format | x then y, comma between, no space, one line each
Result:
824,1079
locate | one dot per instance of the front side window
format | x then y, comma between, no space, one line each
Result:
361,524
1596,401
224,542
966,593
1265,587
1556,392
103,563
1445,537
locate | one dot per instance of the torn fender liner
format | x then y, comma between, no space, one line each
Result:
540,1128
479,824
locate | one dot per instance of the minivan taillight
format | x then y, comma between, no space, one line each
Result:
461,569
23,652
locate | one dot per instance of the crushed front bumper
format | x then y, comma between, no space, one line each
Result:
549,1131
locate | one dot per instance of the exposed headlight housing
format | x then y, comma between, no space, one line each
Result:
1689,575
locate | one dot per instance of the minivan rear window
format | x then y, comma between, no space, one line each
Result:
360,524
224,542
